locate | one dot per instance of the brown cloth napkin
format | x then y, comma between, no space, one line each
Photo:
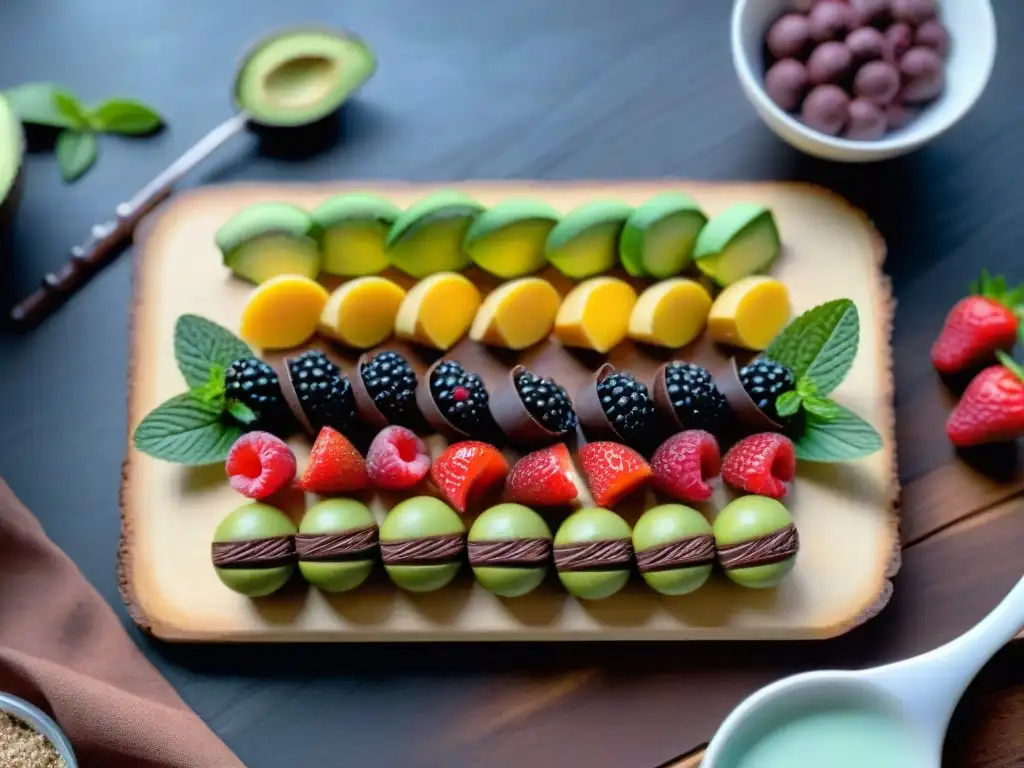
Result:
63,649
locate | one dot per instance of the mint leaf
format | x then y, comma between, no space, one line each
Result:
200,344
820,344
35,103
76,152
213,390
822,407
69,107
186,431
788,404
806,388
125,116
846,437
241,412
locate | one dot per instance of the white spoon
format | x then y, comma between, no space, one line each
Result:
894,716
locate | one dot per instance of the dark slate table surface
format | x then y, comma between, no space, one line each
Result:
527,89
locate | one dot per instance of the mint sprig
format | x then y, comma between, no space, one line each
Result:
200,425
843,437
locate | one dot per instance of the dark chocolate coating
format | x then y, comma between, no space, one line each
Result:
924,75
663,401
515,420
593,419
826,109
878,82
366,409
284,376
933,34
789,37
430,411
865,12
898,38
828,20
866,44
867,121
829,63
786,83
913,12
748,416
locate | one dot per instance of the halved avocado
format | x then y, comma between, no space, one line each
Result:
508,239
428,237
740,241
12,148
354,227
586,241
270,239
659,236
297,77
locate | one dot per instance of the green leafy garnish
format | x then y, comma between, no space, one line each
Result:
820,344
200,344
844,437
76,153
71,109
36,103
125,116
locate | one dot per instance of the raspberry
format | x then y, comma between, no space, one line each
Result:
335,465
613,471
683,464
259,465
761,464
397,459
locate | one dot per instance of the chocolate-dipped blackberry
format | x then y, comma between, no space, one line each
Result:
255,384
385,391
615,406
454,401
746,415
533,410
685,395
765,381
318,393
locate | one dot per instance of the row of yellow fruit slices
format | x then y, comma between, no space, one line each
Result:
597,314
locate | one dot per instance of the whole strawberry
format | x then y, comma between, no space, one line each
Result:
978,325
992,407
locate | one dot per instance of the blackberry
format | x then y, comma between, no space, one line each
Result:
695,398
627,404
252,382
461,397
547,402
322,390
391,382
764,381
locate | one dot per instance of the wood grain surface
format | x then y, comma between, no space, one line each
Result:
584,89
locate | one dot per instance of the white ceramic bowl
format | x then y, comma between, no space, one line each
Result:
972,30
34,717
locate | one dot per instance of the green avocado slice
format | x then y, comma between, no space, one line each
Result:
742,240
297,77
586,241
508,239
658,238
354,227
428,237
270,239
12,147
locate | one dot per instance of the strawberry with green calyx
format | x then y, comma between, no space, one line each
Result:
978,325
992,407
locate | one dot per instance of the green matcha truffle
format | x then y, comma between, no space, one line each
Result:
675,548
421,543
337,544
254,549
593,553
509,546
756,540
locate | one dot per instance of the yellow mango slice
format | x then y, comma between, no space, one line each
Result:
282,312
595,314
361,313
438,310
516,314
750,312
671,313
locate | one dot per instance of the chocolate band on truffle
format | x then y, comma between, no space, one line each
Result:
357,544
429,550
366,408
430,411
510,412
511,553
284,376
269,552
662,399
749,416
608,555
772,548
587,402
686,553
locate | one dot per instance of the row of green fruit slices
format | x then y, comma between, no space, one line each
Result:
352,235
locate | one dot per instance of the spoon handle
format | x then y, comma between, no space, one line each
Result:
89,257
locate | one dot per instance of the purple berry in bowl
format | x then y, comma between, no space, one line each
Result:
828,20
829,63
826,109
866,44
867,121
924,75
865,12
877,81
933,34
899,38
913,12
786,83
789,37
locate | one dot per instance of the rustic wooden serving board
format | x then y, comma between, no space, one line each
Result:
845,513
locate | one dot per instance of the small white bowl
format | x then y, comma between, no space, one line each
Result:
972,30
42,723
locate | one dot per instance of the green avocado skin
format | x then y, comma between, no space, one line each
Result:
428,236
586,241
254,521
666,524
416,518
354,208
644,221
524,223
750,517
711,252
336,516
584,526
507,522
264,219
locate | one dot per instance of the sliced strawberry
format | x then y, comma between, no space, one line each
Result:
613,471
761,464
544,478
335,465
466,471
397,459
260,464
684,463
